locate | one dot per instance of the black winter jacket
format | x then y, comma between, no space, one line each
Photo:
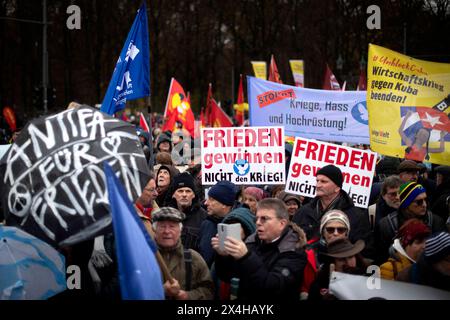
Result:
271,271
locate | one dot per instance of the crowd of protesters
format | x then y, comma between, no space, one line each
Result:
289,244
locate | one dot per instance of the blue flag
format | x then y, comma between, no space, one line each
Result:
139,273
131,77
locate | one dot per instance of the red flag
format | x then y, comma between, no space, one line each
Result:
274,75
178,109
218,117
362,83
143,123
330,82
10,118
240,108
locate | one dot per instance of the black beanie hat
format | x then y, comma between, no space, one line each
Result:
333,173
183,180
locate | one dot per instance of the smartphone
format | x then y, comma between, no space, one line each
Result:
228,230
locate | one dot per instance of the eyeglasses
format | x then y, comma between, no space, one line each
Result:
392,194
152,190
263,219
420,202
340,230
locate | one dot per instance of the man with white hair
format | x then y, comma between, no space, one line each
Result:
191,277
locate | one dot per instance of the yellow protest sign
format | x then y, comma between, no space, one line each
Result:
408,103
260,69
297,72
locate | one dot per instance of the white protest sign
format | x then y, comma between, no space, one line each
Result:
357,166
245,155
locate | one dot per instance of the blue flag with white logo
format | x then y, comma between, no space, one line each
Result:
131,77
139,274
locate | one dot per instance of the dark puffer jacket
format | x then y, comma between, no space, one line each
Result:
269,270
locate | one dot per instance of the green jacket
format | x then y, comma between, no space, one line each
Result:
202,287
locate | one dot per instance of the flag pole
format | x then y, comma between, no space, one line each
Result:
150,141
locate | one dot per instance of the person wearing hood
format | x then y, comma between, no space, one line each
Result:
183,195
164,177
164,143
330,195
408,246
433,267
270,262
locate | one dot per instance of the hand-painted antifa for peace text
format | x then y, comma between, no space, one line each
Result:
66,155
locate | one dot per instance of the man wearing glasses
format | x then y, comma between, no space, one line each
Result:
413,204
388,202
270,263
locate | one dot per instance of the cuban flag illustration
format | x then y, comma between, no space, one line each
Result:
428,118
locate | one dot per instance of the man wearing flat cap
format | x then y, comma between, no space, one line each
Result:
329,195
410,171
191,276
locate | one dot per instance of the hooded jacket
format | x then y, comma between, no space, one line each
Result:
389,226
269,270
161,198
398,261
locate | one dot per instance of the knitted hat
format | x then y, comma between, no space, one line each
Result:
334,215
255,192
183,180
168,213
412,229
408,192
437,247
333,173
224,192
243,216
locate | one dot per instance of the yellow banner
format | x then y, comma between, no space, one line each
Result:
408,102
297,72
260,69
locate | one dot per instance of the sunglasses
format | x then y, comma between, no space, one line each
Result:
420,202
340,230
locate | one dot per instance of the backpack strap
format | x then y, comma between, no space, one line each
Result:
393,222
188,268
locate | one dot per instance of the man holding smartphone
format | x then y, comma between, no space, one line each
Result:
271,261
